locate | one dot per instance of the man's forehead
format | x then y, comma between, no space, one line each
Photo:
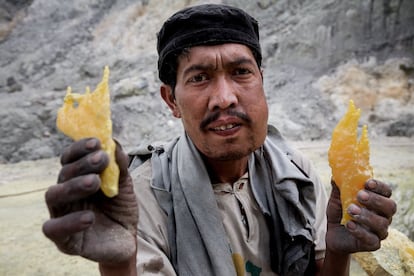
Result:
228,52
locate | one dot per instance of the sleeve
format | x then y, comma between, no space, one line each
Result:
320,225
153,248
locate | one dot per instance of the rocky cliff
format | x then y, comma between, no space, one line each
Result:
317,55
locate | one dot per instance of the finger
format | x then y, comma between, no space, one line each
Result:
365,240
378,187
377,203
60,229
79,149
369,220
72,190
94,162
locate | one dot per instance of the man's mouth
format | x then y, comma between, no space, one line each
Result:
229,119
224,127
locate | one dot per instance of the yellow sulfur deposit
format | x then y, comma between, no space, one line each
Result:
349,158
89,115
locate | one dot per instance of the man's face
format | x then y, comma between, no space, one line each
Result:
220,98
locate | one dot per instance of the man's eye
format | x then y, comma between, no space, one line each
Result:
242,71
198,78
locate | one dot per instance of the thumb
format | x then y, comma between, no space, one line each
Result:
122,160
334,210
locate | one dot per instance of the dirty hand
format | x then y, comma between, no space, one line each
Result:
83,220
370,220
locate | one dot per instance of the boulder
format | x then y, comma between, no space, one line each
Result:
394,258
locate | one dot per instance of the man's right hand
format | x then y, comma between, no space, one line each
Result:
83,220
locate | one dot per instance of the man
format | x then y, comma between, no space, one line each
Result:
229,196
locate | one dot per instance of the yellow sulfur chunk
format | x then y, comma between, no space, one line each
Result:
89,115
349,158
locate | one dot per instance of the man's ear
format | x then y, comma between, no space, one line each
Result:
168,97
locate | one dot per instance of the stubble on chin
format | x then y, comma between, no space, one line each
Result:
229,151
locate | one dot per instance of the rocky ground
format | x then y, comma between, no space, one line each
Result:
317,54
25,251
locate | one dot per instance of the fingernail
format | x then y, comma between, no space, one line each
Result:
351,225
96,158
87,218
91,144
372,184
354,210
89,181
363,195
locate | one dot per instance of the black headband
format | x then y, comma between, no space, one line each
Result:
204,25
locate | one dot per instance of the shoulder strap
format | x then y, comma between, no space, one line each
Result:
138,156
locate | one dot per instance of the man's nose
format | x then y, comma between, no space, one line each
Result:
223,94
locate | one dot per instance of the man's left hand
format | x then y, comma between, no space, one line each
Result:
370,219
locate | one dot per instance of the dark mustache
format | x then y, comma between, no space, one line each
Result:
216,114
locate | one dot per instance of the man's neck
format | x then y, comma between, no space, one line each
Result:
226,171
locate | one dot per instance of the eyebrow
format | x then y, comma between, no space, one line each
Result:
207,67
198,67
